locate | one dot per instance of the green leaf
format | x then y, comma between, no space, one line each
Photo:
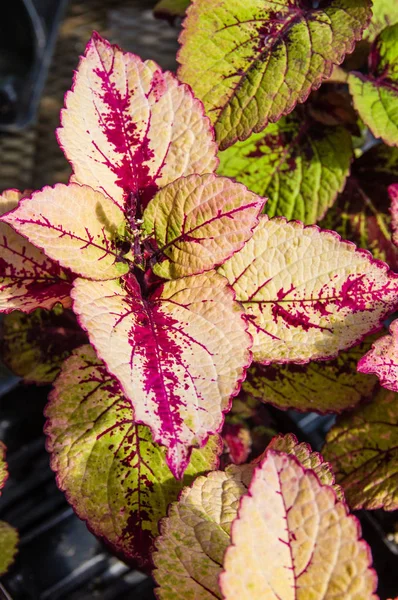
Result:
307,294
113,474
385,13
198,222
375,95
363,450
169,9
298,163
322,387
251,61
34,346
8,535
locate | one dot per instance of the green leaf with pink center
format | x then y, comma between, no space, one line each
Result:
252,61
113,474
8,535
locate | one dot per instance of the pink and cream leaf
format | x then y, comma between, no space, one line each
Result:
307,294
179,354
198,222
129,129
28,278
113,474
382,359
74,225
363,450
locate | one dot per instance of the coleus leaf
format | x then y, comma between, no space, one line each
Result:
251,61
196,535
237,439
170,9
362,212
298,163
8,535
363,450
129,129
198,222
375,95
34,346
307,294
113,474
179,354
321,387
393,191
287,524
28,278
385,13
76,226
382,359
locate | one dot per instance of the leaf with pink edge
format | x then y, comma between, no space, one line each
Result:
324,387
113,474
293,539
170,9
28,278
307,294
75,226
393,191
375,94
198,222
179,353
382,359
363,450
129,129
8,535
252,61
34,346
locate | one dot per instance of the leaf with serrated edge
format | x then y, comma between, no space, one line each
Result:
198,222
393,191
299,164
363,450
169,9
251,61
115,477
323,387
375,95
129,129
34,346
307,294
382,359
75,226
179,354
293,539
28,278
8,535
385,13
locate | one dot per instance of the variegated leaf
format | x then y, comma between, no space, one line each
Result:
251,61
129,129
363,450
179,354
238,441
8,535
299,164
307,294
115,477
28,278
198,222
322,387
293,539
75,226
375,95
382,359
393,191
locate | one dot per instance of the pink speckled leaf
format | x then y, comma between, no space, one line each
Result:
75,226
179,354
28,278
307,294
129,129
382,359
113,474
292,539
238,441
198,222
393,191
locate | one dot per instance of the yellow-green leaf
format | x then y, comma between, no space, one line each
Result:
385,13
8,535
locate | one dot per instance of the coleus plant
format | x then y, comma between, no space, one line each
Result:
179,283
8,535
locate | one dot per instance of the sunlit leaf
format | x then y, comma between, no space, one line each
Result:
34,346
251,61
385,13
28,278
198,222
322,387
8,535
74,225
307,294
382,359
170,9
363,450
293,539
128,128
299,164
179,354
375,95
393,191
115,477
